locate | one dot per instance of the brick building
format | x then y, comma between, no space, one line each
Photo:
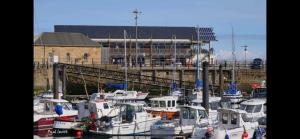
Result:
66,48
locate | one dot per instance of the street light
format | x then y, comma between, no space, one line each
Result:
136,12
245,49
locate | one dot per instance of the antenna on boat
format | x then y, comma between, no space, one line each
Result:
233,58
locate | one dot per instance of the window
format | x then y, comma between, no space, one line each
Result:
50,56
265,108
85,57
162,103
105,105
169,103
242,107
192,114
257,108
155,104
249,108
68,57
185,113
234,118
202,113
225,118
173,103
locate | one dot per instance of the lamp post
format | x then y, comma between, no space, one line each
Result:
245,49
136,12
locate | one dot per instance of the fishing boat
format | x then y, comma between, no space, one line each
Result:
43,120
255,108
232,97
231,125
97,107
189,117
38,101
132,120
165,107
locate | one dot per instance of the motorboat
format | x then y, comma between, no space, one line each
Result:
255,108
97,107
132,120
232,97
231,124
121,96
43,120
165,107
190,116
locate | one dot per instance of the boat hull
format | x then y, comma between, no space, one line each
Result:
127,128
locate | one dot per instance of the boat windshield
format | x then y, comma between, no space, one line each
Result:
226,104
251,108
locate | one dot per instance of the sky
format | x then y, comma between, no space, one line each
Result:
247,17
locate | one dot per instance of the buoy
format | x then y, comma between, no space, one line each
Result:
244,135
78,133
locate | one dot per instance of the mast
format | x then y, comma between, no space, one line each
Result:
174,70
198,52
125,59
233,59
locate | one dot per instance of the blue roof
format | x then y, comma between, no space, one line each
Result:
144,32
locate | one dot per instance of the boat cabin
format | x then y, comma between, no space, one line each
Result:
255,108
164,103
130,112
49,105
231,118
214,102
189,115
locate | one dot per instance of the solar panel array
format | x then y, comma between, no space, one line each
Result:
144,32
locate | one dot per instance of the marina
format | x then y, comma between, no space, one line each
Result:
147,82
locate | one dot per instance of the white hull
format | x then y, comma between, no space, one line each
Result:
129,128
220,134
166,131
65,124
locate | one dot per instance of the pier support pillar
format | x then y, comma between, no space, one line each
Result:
64,83
55,81
154,72
181,78
205,87
221,80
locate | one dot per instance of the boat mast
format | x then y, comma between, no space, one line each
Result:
125,58
198,52
233,59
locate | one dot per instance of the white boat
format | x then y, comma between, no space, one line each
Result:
231,124
43,120
190,116
255,108
165,107
97,107
132,120
125,95
38,101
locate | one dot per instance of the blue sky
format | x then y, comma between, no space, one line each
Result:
248,17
